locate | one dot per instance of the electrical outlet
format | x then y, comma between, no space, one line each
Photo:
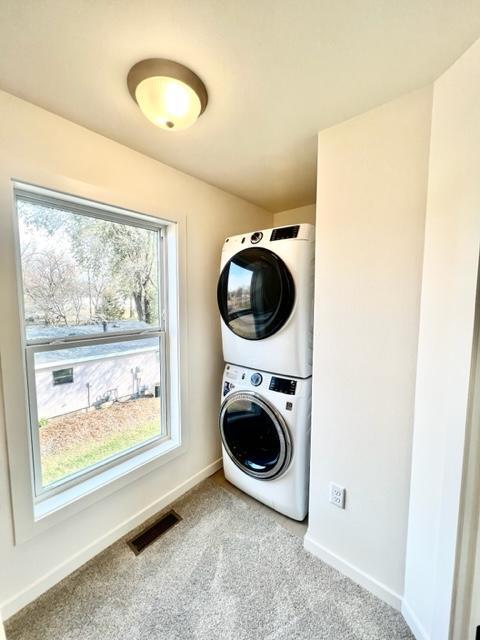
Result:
337,495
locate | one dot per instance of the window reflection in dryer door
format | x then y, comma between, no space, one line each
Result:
239,288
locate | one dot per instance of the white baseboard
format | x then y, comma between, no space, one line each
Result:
33,591
413,622
357,575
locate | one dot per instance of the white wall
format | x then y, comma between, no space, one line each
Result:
41,148
452,244
295,216
115,372
371,199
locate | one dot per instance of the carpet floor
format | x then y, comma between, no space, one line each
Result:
225,572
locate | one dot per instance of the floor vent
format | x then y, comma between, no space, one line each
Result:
154,531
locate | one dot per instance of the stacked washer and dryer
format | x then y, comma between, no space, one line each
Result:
265,297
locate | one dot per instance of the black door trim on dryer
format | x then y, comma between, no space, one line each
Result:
262,304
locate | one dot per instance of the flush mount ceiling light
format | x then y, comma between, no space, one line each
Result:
168,94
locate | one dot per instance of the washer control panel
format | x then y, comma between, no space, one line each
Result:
238,378
283,385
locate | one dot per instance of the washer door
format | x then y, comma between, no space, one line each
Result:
255,435
255,293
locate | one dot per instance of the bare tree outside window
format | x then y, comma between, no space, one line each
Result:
81,270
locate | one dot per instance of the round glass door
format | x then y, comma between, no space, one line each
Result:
254,435
255,293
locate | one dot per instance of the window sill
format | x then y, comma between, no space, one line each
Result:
105,481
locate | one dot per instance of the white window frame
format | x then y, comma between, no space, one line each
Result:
47,502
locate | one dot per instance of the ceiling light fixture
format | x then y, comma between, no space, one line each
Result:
168,94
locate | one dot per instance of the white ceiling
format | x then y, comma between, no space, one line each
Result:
277,71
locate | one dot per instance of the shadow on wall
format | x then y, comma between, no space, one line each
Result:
295,216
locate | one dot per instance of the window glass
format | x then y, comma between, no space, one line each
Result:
84,275
94,398
111,406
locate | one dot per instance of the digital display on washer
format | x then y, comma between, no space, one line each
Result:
284,233
283,385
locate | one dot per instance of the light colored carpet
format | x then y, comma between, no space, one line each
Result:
226,572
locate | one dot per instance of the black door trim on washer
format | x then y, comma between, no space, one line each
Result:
277,420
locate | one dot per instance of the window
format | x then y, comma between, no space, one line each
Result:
62,376
94,292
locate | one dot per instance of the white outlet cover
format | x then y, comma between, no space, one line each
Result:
337,495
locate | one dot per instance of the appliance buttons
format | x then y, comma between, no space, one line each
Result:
256,237
256,379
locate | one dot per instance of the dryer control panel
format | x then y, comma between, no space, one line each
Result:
285,233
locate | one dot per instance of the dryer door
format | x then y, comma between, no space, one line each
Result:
255,435
255,293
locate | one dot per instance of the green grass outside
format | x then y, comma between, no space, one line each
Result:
74,459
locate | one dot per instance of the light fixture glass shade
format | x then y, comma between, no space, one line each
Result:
169,94
168,102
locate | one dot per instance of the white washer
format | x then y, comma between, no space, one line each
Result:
265,297
265,428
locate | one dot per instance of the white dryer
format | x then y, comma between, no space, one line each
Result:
265,297
265,429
